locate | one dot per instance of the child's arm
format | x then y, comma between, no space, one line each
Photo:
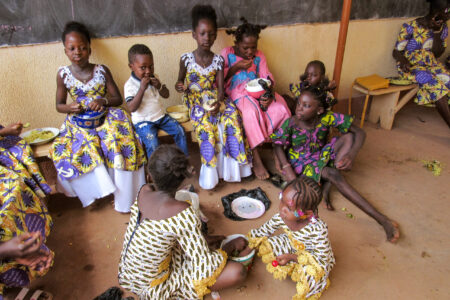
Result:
134,103
268,228
240,65
61,97
358,140
179,85
162,89
219,82
11,129
285,166
114,99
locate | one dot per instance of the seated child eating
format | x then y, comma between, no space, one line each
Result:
142,91
165,255
302,147
303,250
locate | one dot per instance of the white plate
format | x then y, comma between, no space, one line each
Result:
39,141
247,208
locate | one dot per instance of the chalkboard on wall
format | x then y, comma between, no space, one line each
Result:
41,21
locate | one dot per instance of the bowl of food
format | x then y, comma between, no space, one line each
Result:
179,112
254,89
89,119
245,257
40,136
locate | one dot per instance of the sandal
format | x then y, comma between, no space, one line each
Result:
37,295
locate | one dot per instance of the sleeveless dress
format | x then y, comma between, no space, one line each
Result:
315,257
221,140
169,258
258,124
22,188
93,163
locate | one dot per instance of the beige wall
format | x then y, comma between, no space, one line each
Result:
28,73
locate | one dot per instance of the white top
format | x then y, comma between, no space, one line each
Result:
150,109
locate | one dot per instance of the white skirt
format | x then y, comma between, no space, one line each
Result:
227,168
101,182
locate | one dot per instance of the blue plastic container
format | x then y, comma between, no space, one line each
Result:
89,119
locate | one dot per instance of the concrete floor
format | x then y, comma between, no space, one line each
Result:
388,171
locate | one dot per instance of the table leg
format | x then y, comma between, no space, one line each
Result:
363,116
383,109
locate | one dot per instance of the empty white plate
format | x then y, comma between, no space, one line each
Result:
247,208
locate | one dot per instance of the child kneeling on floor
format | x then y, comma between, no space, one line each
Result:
142,91
303,250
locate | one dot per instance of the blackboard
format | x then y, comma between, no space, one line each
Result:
41,21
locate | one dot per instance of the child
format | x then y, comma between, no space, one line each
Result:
142,91
306,134
315,75
218,127
244,62
24,218
303,250
93,163
165,255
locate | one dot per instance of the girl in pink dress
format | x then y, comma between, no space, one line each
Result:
244,62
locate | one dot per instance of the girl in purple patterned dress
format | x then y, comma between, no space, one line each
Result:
93,163
24,218
304,137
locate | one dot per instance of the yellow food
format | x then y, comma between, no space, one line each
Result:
26,125
38,135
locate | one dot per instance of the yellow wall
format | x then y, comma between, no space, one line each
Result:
28,73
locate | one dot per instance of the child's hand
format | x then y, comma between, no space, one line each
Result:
75,107
237,244
97,105
265,102
345,163
216,108
179,87
283,259
22,246
243,64
145,81
12,129
155,82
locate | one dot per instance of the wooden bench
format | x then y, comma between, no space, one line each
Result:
44,150
385,103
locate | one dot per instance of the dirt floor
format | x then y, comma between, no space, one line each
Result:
388,171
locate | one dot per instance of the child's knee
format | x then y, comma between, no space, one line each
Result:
331,174
239,273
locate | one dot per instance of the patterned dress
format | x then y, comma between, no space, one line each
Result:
315,257
431,75
21,188
168,259
201,86
308,150
258,124
78,151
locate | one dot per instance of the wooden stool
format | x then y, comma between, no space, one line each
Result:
385,103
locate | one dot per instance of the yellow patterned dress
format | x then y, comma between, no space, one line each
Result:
220,136
431,75
22,210
168,259
108,154
311,244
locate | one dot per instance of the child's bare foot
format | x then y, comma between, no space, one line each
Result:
326,195
258,167
392,231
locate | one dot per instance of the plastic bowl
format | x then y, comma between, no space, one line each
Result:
89,119
245,260
178,112
254,89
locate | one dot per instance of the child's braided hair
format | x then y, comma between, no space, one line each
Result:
319,92
308,193
168,167
246,29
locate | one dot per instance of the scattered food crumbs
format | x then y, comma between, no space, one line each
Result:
26,125
241,288
344,209
350,216
107,246
115,238
381,253
258,286
70,244
433,166
425,254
